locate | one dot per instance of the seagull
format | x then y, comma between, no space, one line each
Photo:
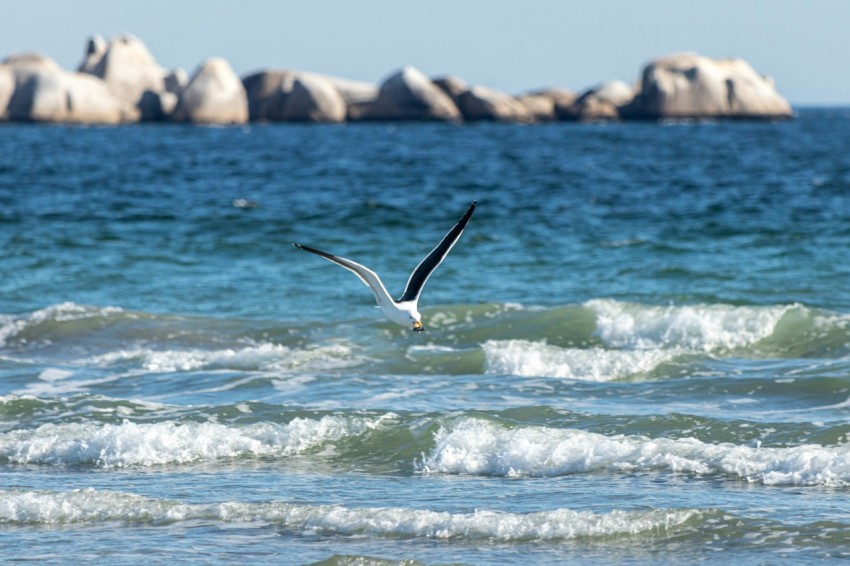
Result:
403,311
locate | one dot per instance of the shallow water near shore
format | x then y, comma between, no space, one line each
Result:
639,350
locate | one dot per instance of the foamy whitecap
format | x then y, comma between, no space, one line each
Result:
13,325
94,506
260,357
149,444
525,358
697,327
479,447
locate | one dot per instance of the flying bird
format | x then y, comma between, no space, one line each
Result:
405,310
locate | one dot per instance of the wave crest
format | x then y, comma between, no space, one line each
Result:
95,506
151,444
478,447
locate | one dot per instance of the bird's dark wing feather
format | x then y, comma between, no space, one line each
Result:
427,266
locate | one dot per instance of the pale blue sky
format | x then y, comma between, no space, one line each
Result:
513,45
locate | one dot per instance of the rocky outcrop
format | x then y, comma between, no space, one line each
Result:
452,86
132,74
600,103
119,81
353,92
482,103
409,95
314,99
299,97
214,95
692,86
267,92
7,89
544,105
44,92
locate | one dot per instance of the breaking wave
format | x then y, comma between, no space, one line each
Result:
480,447
151,444
88,506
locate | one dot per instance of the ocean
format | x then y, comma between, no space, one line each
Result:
638,352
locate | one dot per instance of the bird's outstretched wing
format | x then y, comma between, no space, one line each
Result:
366,275
427,266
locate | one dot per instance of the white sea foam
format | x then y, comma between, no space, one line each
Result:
696,327
94,506
150,444
259,357
480,447
525,358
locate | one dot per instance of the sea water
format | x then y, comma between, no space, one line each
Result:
639,350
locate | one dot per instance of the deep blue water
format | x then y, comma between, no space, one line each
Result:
638,351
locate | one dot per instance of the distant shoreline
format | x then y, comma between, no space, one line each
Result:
120,82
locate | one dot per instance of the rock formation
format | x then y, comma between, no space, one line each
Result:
267,92
214,95
602,102
44,92
483,103
410,95
453,86
297,96
314,99
132,74
692,86
119,81
545,105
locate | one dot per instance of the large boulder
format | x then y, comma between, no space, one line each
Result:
314,99
599,103
410,95
44,92
284,95
132,74
214,95
483,103
688,85
451,85
125,65
267,93
353,92
541,107
7,89
544,104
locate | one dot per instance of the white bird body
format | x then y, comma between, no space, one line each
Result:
405,310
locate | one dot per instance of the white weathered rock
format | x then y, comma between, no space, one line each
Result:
601,102
353,92
267,92
616,92
452,86
298,96
410,95
483,103
544,104
126,66
7,89
688,85
314,99
548,104
44,92
214,95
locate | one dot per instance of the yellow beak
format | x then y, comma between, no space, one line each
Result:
417,326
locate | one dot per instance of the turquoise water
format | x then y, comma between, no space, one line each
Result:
639,351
